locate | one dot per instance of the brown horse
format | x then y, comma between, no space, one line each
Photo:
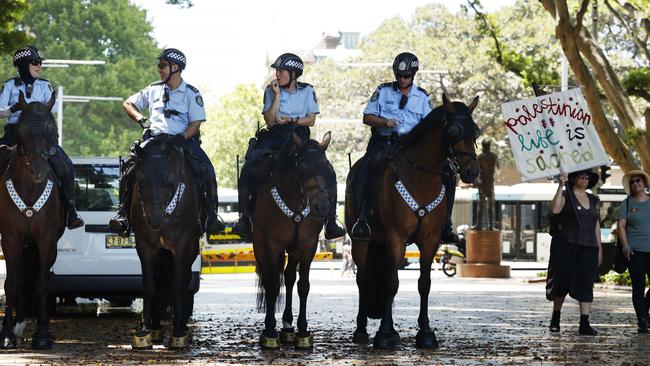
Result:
165,214
409,207
32,221
291,208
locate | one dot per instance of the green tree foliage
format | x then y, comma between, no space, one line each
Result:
229,126
112,30
12,35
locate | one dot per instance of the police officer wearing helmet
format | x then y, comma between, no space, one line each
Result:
289,106
393,110
174,108
28,61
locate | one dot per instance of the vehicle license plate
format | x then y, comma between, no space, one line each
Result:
118,242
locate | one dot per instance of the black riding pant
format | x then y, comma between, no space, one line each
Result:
193,147
376,155
639,267
8,138
64,170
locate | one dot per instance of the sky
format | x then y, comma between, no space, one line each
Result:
229,42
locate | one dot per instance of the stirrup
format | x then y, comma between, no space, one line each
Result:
355,228
119,225
237,227
74,222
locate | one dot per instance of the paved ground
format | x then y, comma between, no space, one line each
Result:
478,321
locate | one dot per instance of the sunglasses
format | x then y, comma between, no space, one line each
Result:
405,76
36,62
582,176
162,66
636,180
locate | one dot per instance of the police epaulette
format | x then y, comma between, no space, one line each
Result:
385,85
303,85
192,88
45,80
16,81
423,90
160,82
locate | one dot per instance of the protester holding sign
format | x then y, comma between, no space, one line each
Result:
575,249
634,235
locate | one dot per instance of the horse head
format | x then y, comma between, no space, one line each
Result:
36,134
160,179
312,170
461,133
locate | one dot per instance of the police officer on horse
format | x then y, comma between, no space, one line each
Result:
393,110
289,107
176,109
28,60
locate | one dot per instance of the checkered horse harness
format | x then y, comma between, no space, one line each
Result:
419,210
297,217
177,197
20,204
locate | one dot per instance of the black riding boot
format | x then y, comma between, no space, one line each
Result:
73,220
332,229
243,226
119,224
360,229
448,233
212,223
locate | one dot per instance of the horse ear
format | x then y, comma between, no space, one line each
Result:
449,106
297,141
22,104
473,104
51,103
327,138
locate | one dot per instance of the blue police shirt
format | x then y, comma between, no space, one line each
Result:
41,92
298,104
185,102
385,101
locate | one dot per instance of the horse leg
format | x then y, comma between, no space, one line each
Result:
304,339
387,337
13,252
287,335
426,338
359,254
182,273
41,338
271,269
142,338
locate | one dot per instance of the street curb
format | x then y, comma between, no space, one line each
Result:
602,286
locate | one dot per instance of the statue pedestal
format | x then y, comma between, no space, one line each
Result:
483,255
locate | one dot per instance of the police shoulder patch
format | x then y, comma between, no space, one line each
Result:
313,92
199,100
375,96
192,88
431,104
424,91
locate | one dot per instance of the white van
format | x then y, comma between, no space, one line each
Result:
92,262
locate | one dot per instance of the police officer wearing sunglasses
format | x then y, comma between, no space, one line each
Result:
28,61
393,110
174,108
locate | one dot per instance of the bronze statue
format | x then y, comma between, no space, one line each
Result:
488,163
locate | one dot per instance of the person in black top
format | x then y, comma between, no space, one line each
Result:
575,249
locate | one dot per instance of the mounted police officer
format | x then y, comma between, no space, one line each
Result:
175,108
289,106
393,110
28,60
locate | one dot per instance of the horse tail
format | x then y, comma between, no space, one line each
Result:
261,294
376,279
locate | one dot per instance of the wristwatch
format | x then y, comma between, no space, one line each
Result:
144,122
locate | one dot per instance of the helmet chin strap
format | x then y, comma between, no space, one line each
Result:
169,65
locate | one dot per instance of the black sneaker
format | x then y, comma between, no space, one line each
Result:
213,225
333,230
586,329
449,236
361,230
74,221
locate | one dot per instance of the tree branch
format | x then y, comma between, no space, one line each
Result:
549,5
489,27
581,14
641,46
639,93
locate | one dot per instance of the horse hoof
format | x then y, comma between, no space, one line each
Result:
360,337
142,341
157,335
179,342
305,341
8,343
42,342
269,342
287,336
385,340
426,339
396,337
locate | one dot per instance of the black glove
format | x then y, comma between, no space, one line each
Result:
178,140
144,122
14,108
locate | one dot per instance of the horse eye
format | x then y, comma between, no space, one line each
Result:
455,131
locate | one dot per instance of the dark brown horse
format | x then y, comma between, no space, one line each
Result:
291,208
32,221
409,207
165,214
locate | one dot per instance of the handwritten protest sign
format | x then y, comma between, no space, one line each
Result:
552,132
